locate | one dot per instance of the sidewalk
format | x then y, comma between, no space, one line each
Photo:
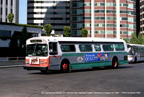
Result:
11,63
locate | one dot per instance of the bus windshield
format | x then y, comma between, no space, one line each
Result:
37,50
130,51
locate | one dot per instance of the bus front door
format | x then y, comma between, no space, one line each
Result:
54,58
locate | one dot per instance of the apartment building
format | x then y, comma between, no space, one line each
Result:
55,12
142,17
7,7
104,18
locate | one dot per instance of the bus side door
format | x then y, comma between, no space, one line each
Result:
54,58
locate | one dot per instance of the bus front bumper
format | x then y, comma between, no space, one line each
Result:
35,68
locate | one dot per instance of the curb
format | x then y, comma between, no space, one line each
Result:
11,66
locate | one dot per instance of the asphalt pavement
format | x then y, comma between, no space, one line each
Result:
126,81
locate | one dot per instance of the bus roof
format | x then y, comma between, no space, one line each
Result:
74,39
135,44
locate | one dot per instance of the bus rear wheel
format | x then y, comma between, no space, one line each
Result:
65,67
115,63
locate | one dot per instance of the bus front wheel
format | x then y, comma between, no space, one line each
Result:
115,63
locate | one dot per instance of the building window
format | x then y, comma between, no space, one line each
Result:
87,18
87,4
111,32
111,18
111,11
99,4
87,10
111,4
6,11
99,18
11,2
87,25
111,25
99,32
99,25
1,11
99,11
4,33
6,2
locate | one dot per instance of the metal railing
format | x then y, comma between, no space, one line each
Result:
11,58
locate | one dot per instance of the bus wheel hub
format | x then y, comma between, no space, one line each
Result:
65,66
115,64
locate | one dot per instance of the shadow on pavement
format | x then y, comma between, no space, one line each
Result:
83,70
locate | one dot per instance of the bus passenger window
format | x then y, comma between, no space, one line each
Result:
97,47
84,48
119,47
108,48
68,48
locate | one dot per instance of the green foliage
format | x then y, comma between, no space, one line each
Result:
14,46
137,40
16,24
67,31
24,36
126,40
48,29
10,17
13,41
84,32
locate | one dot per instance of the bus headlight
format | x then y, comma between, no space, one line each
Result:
42,62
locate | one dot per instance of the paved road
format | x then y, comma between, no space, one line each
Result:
127,81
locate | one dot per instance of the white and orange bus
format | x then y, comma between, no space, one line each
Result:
67,53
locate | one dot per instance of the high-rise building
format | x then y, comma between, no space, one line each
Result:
142,17
104,18
7,7
54,12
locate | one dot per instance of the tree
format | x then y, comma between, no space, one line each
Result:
14,48
67,31
126,40
84,32
136,40
48,29
10,17
23,37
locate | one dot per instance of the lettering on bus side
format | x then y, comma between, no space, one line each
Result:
94,57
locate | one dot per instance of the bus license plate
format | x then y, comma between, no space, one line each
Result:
35,61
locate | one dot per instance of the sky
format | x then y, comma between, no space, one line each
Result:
23,11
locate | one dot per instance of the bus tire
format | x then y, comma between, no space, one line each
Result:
43,71
65,67
115,63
